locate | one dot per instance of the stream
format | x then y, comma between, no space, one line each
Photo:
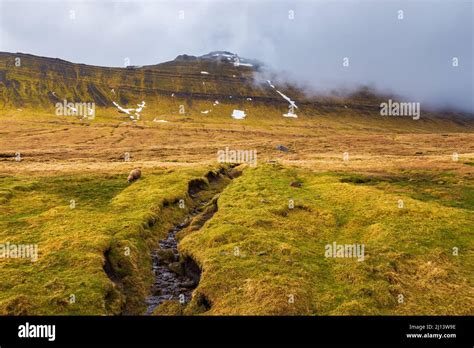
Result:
175,278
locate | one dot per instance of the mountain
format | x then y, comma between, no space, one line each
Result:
28,81
32,81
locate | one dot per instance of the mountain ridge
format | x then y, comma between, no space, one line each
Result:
36,76
28,80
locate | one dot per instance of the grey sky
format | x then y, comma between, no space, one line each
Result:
411,57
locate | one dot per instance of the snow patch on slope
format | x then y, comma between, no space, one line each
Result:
238,115
136,111
288,99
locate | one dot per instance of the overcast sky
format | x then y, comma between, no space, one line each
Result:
412,57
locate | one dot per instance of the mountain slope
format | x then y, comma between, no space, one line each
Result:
38,83
35,80
28,80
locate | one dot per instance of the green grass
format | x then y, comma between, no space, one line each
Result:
445,188
408,251
258,252
110,215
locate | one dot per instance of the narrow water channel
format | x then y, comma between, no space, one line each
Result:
173,280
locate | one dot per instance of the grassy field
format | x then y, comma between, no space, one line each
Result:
263,254
263,251
110,222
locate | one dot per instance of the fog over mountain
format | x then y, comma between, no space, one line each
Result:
306,41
